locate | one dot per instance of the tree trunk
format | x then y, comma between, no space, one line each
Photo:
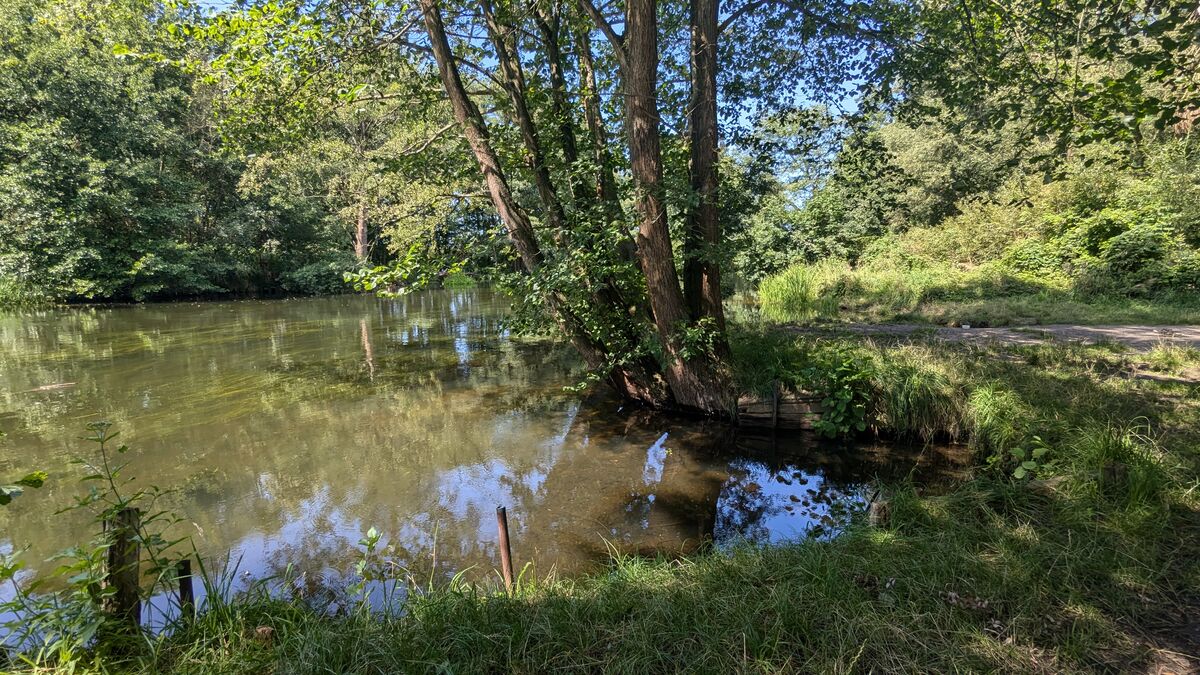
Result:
631,381
702,272
360,233
516,223
514,81
696,382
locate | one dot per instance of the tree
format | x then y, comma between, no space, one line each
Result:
685,376
1074,72
596,130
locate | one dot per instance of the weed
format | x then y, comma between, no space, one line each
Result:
1171,357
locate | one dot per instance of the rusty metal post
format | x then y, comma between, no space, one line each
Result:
506,565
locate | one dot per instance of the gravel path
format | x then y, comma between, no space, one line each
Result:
1140,338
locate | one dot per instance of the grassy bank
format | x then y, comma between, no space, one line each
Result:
1074,547
1094,245
988,295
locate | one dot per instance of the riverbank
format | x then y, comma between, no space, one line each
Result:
1074,547
937,294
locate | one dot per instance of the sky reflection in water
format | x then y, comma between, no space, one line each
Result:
288,428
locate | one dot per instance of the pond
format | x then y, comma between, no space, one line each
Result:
285,429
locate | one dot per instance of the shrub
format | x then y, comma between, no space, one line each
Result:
16,294
1135,255
458,280
981,232
324,276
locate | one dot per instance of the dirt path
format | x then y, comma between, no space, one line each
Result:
1140,338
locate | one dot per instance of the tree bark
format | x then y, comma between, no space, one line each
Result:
360,233
702,273
466,113
696,382
632,381
514,80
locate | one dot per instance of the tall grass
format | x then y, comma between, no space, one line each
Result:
1172,357
916,396
833,289
988,295
802,291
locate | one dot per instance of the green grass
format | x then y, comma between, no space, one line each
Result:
944,589
999,575
986,295
1173,358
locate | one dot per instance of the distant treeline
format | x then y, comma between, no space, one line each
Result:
116,182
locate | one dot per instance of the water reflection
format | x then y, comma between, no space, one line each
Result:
287,428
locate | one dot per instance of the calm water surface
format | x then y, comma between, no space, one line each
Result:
288,428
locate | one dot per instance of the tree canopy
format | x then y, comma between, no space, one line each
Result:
619,167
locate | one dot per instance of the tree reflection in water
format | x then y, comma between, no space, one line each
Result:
288,428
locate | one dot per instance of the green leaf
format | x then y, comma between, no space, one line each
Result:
34,480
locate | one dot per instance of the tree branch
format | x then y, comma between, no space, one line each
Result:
617,41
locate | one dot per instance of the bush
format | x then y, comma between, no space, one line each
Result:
16,294
458,280
324,276
174,271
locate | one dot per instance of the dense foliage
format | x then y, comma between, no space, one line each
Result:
604,164
117,183
1092,232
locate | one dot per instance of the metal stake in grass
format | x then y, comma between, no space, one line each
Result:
506,565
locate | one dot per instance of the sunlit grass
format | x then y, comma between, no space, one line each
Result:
984,296
1172,358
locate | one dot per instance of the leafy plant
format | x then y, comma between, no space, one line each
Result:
60,620
843,377
1028,462
699,338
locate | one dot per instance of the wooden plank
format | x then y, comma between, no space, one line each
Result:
122,574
